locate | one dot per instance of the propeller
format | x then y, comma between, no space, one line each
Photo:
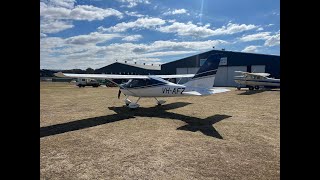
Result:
119,94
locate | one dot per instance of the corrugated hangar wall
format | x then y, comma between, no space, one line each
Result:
234,61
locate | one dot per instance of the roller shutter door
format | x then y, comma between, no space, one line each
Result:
258,68
231,74
221,76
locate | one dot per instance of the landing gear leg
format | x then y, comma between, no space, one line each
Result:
134,105
127,101
159,102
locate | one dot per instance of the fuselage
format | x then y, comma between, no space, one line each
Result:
153,87
263,81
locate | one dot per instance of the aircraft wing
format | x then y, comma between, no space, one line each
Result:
253,74
101,76
175,76
116,76
260,74
205,92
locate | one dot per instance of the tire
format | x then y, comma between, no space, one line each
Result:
251,88
238,88
256,87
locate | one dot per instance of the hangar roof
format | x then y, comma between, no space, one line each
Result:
149,67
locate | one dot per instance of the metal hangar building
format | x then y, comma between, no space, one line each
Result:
232,61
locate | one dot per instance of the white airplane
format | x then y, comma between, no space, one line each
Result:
255,80
155,86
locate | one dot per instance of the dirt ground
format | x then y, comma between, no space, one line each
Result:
87,133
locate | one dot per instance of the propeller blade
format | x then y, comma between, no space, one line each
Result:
119,94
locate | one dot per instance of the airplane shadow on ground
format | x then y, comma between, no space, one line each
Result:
193,123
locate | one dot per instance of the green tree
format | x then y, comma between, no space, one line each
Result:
89,71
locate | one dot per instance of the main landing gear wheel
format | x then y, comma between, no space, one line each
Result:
127,101
256,87
160,102
250,88
238,88
133,105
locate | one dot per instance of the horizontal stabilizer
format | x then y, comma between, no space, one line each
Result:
205,92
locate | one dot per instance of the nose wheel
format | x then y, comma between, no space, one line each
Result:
127,101
131,105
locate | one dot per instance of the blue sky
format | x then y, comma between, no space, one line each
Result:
95,33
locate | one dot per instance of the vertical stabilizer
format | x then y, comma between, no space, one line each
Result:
206,74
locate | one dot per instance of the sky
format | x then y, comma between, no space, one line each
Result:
95,33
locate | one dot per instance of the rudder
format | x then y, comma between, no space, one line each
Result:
206,74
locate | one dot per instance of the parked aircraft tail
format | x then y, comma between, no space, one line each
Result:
206,74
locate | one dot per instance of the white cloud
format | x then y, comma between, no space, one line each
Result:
62,3
190,29
132,38
133,3
51,12
54,26
270,25
90,13
171,20
181,29
273,40
187,45
143,23
253,37
176,11
234,28
135,14
42,35
92,38
50,43
260,29
167,53
250,49
57,15
82,51
80,12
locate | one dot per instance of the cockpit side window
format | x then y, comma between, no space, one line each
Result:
141,83
137,83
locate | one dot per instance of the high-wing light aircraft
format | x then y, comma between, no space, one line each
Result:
255,80
155,86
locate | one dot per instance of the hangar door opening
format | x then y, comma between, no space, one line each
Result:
225,75
258,68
